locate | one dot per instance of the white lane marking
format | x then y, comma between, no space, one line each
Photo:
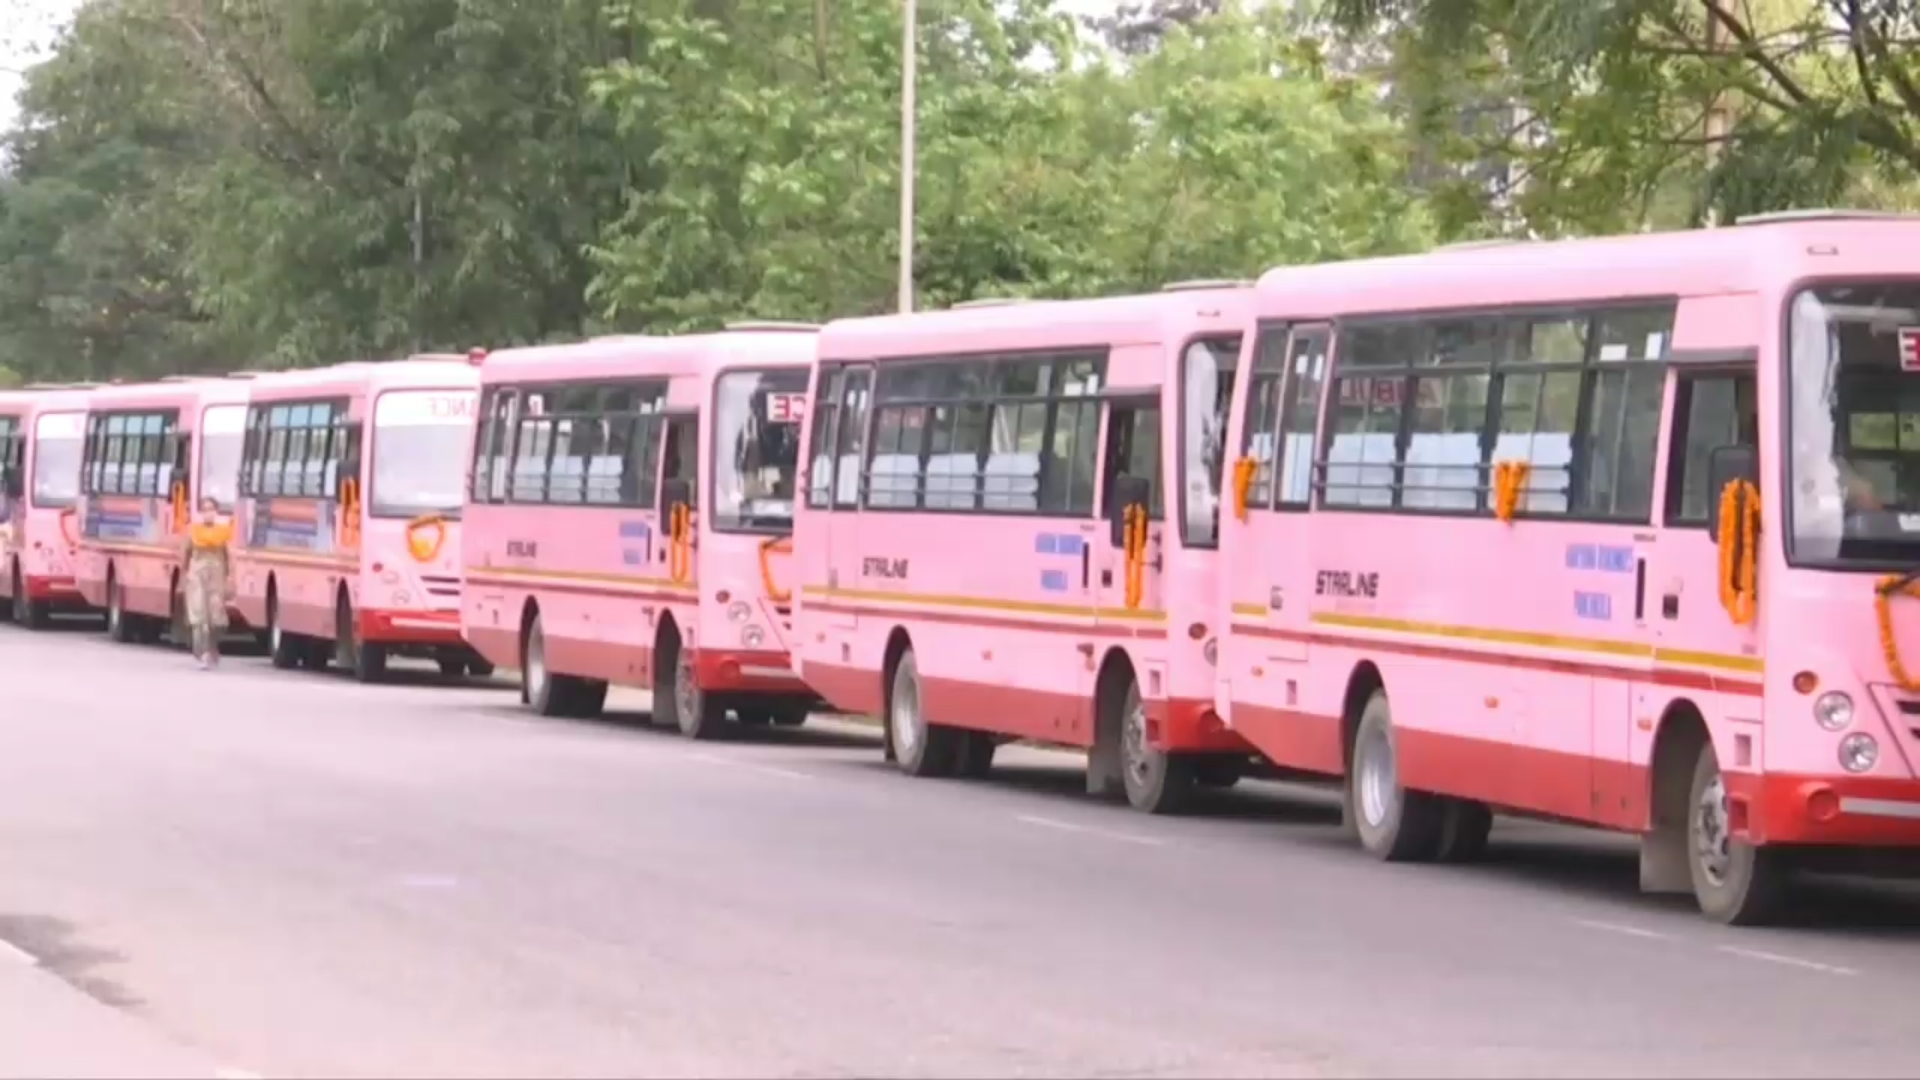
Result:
1621,928
1067,826
1789,961
17,954
750,766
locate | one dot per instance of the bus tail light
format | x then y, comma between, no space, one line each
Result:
1805,682
739,612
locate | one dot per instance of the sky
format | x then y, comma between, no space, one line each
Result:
27,27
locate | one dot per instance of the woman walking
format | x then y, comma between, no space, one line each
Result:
209,572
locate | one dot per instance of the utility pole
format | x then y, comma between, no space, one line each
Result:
909,80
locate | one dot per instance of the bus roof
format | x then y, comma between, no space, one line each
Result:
25,402
169,393
746,345
1742,258
427,372
1173,314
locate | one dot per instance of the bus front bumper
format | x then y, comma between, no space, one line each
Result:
747,671
1839,811
409,627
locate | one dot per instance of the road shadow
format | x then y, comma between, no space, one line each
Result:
1573,861
56,945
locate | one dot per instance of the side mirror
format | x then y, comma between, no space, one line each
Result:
1726,465
675,492
1127,491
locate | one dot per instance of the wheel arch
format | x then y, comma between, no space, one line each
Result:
1362,682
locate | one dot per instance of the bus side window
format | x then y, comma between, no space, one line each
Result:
1710,411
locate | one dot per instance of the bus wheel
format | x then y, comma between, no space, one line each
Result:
367,661
118,628
1219,773
1735,882
1394,824
177,629
1157,782
919,748
1463,836
556,695
692,710
28,612
974,759
282,648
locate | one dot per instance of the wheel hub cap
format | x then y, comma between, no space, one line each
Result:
1713,843
1379,782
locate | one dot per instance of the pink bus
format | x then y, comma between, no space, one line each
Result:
152,452
40,442
348,534
985,547
1521,524
628,522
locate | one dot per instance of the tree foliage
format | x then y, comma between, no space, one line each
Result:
210,184
1601,107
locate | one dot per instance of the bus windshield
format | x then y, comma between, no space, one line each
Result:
222,432
756,447
57,449
1854,383
421,441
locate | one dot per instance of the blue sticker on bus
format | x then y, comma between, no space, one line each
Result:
1616,560
633,557
1053,580
1601,557
635,530
1058,543
1593,605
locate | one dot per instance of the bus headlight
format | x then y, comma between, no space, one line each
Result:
751,637
1833,710
1211,650
1858,752
738,611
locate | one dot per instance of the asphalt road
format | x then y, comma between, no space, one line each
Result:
251,872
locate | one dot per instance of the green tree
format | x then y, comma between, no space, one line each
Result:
1605,102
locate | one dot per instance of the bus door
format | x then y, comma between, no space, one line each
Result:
1128,551
848,439
1712,438
679,509
175,488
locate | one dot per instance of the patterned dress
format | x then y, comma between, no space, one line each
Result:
207,571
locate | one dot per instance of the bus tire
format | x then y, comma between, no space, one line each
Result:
178,632
286,651
1156,782
544,692
919,748
1219,772
1392,823
27,612
1463,836
1736,883
120,628
676,692
974,759
365,661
